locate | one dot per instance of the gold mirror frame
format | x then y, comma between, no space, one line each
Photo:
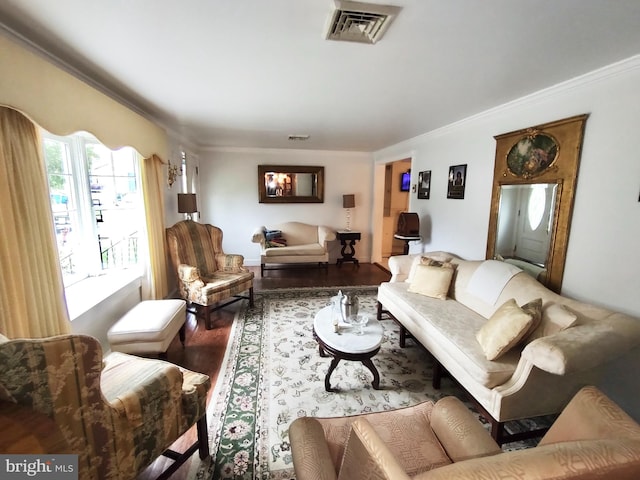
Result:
288,193
562,170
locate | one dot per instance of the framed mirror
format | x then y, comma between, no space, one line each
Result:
290,184
532,197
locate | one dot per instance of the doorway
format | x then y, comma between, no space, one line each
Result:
391,197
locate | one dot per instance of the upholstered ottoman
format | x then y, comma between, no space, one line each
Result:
149,327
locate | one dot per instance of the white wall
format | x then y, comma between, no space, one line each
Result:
228,196
603,255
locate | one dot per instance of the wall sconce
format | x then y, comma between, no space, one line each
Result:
173,172
348,202
187,204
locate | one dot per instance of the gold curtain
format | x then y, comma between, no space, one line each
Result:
155,285
32,302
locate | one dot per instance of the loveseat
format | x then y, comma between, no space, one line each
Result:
535,372
293,243
592,438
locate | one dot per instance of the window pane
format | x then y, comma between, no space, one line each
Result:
64,205
96,204
116,203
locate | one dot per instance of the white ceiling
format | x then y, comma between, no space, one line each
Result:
247,73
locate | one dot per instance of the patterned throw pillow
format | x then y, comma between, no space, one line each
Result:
426,260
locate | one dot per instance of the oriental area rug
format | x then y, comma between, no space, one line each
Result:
273,373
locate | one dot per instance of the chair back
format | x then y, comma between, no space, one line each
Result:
60,378
196,244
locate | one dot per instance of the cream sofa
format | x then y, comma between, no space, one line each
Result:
592,438
532,379
304,244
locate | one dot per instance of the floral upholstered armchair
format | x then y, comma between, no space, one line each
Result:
206,275
118,414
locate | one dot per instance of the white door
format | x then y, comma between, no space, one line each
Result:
537,206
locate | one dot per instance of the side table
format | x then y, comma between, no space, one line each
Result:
348,239
406,239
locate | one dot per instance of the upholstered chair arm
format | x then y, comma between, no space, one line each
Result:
258,236
141,390
188,273
229,262
459,432
399,266
591,415
325,234
610,458
311,457
584,347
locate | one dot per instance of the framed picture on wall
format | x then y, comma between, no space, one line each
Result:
424,184
457,181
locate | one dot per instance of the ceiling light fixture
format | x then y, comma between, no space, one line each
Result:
298,137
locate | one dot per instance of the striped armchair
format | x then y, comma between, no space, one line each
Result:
118,414
206,275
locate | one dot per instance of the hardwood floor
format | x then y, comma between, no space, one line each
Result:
205,349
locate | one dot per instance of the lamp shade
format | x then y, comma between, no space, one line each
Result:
187,203
348,201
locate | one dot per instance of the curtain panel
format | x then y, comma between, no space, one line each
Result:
153,180
32,302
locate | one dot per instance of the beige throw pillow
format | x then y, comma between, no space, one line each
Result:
506,327
437,261
432,281
534,307
555,318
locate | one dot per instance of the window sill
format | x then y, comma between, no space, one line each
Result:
86,294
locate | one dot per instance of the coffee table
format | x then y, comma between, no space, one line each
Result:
346,344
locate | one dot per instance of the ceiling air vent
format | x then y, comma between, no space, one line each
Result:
360,22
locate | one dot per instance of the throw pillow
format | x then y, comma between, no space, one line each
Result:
555,318
506,327
426,260
271,234
432,281
534,308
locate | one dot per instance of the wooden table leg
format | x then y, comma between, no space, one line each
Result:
332,367
376,376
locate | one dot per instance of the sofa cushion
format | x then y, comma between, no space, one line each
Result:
431,280
555,318
308,249
506,327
